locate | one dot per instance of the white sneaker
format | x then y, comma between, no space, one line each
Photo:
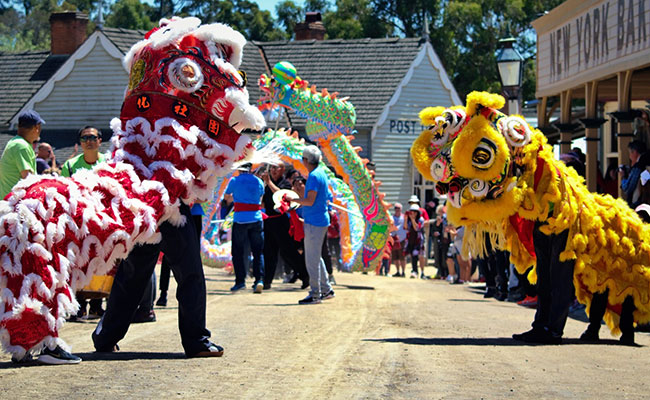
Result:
414,275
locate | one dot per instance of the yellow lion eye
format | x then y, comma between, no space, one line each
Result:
483,155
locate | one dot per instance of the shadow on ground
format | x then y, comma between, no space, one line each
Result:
480,341
90,357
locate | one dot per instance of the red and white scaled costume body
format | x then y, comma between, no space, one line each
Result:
183,110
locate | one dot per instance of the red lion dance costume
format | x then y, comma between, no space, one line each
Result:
184,107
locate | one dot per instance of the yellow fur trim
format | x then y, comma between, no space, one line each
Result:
420,154
429,114
485,99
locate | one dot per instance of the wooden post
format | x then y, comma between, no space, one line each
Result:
624,118
565,126
592,133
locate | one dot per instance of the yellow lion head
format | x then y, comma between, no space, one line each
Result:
473,153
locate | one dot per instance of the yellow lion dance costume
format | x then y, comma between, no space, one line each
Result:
500,177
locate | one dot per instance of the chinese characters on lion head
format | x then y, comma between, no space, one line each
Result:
500,175
179,130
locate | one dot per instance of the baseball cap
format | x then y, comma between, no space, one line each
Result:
29,118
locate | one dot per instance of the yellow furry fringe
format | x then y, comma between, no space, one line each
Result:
608,240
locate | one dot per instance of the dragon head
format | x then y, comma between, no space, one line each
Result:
325,112
475,154
185,106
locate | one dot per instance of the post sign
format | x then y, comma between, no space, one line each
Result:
607,37
405,127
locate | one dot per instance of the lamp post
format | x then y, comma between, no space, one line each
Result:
510,64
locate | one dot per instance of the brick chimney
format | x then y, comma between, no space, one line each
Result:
312,28
68,31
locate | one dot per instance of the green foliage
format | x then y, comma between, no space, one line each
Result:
130,14
466,37
289,14
354,19
27,32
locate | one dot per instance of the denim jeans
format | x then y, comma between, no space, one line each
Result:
253,234
318,278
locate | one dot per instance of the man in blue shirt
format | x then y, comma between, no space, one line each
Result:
247,191
314,202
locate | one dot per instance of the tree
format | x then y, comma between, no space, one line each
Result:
130,14
243,15
27,31
354,19
465,35
289,14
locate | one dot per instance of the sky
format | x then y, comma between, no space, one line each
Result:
270,5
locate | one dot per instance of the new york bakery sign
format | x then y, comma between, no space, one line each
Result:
608,33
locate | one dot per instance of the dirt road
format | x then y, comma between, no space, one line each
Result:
380,338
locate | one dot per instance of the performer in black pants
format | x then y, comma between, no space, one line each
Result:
554,289
197,216
181,246
597,311
494,265
276,231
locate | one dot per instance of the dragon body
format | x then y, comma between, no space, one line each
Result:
329,120
289,149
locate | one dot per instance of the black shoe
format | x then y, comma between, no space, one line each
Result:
57,356
328,295
162,300
501,296
310,300
305,285
212,350
144,316
103,349
489,293
294,278
540,336
516,295
627,339
26,359
267,286
590,335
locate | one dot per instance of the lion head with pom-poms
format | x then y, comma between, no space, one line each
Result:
476,156
185,106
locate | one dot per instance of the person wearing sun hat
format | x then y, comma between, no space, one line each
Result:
414,225
18,158
414,200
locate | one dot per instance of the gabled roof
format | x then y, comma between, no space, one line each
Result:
124,38
368,71
21,76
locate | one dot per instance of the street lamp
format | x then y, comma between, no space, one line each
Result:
510,64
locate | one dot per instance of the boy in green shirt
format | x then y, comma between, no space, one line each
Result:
18,158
